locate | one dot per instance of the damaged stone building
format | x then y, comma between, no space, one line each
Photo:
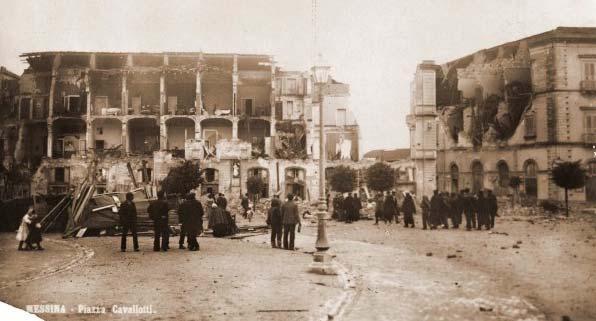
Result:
512,110
124,119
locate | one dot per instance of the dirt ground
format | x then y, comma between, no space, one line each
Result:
527,268
226,280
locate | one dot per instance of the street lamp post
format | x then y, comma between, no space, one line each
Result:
321,259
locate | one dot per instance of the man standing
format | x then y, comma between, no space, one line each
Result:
455,209
290,217
425,207
158,212
481,211
395,206
493,207
436,205
192,211
128,220
409,208
183,226
349,208
379,208
245,204
357,206
274,219
468,208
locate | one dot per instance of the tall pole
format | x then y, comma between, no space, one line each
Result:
322,244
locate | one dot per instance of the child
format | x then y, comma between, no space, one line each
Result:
23,232
34,233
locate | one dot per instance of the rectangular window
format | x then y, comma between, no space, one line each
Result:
590,124
530,126
341,117
291,86
72,103
289,109
589,71
61,175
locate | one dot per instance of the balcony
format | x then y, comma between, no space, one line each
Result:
588,86
589,139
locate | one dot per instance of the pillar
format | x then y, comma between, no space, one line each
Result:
124,93
198,93
162,94
89,135
198,135
31,107
50,139
235,128
235,85
55,66
125,143
272,95
163,134
88,94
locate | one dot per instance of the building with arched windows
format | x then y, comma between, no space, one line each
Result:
515,109
136,115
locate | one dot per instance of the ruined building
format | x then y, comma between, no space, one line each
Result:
124,119
512,110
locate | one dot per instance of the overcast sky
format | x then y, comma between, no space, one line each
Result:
374,45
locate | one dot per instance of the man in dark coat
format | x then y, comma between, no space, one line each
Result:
222,202
379,208
396,206
482,211
436,205
245,204
493,207
338,210
467,201
274,219
357,206
192,211
183,227
409,208
425,207
158,212
128,220
389,208
455,209
349,208
290,218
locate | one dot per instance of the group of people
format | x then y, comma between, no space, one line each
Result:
283,219
479,209
190,217
29,233
388,209
346,209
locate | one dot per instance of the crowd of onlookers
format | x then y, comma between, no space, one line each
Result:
478,209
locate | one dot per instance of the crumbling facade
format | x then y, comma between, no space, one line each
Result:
124,119
513,110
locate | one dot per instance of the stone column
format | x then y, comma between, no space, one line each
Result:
55,66
125,143
124,93
31,107
198,92
163,134
198,134
235,86
50,139
235,128
162,94
88,94
89,136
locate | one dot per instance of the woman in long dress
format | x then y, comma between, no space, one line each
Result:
23,231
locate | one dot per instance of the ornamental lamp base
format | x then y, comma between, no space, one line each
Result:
323,264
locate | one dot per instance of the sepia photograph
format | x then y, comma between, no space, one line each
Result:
311,160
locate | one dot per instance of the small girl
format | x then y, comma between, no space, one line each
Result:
23,232
35,233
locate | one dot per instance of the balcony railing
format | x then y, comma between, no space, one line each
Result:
588,86
589,138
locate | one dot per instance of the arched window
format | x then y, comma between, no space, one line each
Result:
477,176
454,170
263,173
530,180
503,170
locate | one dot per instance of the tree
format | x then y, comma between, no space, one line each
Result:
380,177
515,182
569,175
182,179
343,179
255,185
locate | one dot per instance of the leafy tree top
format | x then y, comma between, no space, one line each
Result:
380,177
343,179
182,179
569,175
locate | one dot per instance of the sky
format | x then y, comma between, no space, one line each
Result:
372,45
